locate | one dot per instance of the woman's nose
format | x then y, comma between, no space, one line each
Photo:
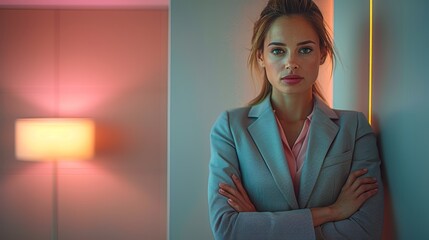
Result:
291,64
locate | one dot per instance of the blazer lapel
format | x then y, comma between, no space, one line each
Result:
322,133
265,134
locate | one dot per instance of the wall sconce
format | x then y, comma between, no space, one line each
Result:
44,139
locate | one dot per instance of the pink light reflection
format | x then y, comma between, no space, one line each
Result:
85,101
90,3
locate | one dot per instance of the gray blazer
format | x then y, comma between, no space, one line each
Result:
246,142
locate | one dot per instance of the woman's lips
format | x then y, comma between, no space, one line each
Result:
291,79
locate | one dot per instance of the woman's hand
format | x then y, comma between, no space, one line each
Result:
354,193
237,197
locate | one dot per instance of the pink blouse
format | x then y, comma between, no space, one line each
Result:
295,156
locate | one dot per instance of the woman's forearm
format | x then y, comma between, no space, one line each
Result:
322,215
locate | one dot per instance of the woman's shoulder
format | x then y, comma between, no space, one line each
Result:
347,113
239,112
350,116
236,113
233,116
337,113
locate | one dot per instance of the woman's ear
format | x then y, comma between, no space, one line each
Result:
323,54
259,56
323,59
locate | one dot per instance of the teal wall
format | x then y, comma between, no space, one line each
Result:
401,111
209,43
351,37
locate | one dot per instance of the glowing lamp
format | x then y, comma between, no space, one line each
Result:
44,139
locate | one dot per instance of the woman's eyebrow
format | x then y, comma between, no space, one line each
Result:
306,42
283,44
276,44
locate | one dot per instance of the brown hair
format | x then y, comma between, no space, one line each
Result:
274,10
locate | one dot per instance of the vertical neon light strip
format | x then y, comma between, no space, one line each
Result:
370,64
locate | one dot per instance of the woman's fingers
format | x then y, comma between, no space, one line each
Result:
238,184
359,185
225,187
240,187
355,175
237,197
234,205
364,188
362,181
230,193
237,191
366,195
231,197
225,193
355,192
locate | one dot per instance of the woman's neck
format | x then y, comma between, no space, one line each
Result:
292,107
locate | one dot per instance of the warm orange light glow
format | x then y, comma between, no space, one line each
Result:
44,139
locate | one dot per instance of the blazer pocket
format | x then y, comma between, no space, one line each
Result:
339,158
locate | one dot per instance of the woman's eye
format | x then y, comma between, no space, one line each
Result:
277,51
305,50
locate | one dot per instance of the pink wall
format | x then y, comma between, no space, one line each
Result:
109,65
86,3
325,73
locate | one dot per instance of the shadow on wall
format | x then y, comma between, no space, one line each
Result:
389,227
389,232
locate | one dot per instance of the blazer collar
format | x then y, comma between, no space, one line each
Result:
265,134
261,108
322,133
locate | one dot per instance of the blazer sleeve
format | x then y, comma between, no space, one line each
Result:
225,222
367,222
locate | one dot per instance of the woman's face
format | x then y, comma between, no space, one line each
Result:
291,56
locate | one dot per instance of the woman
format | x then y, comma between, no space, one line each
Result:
288,166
